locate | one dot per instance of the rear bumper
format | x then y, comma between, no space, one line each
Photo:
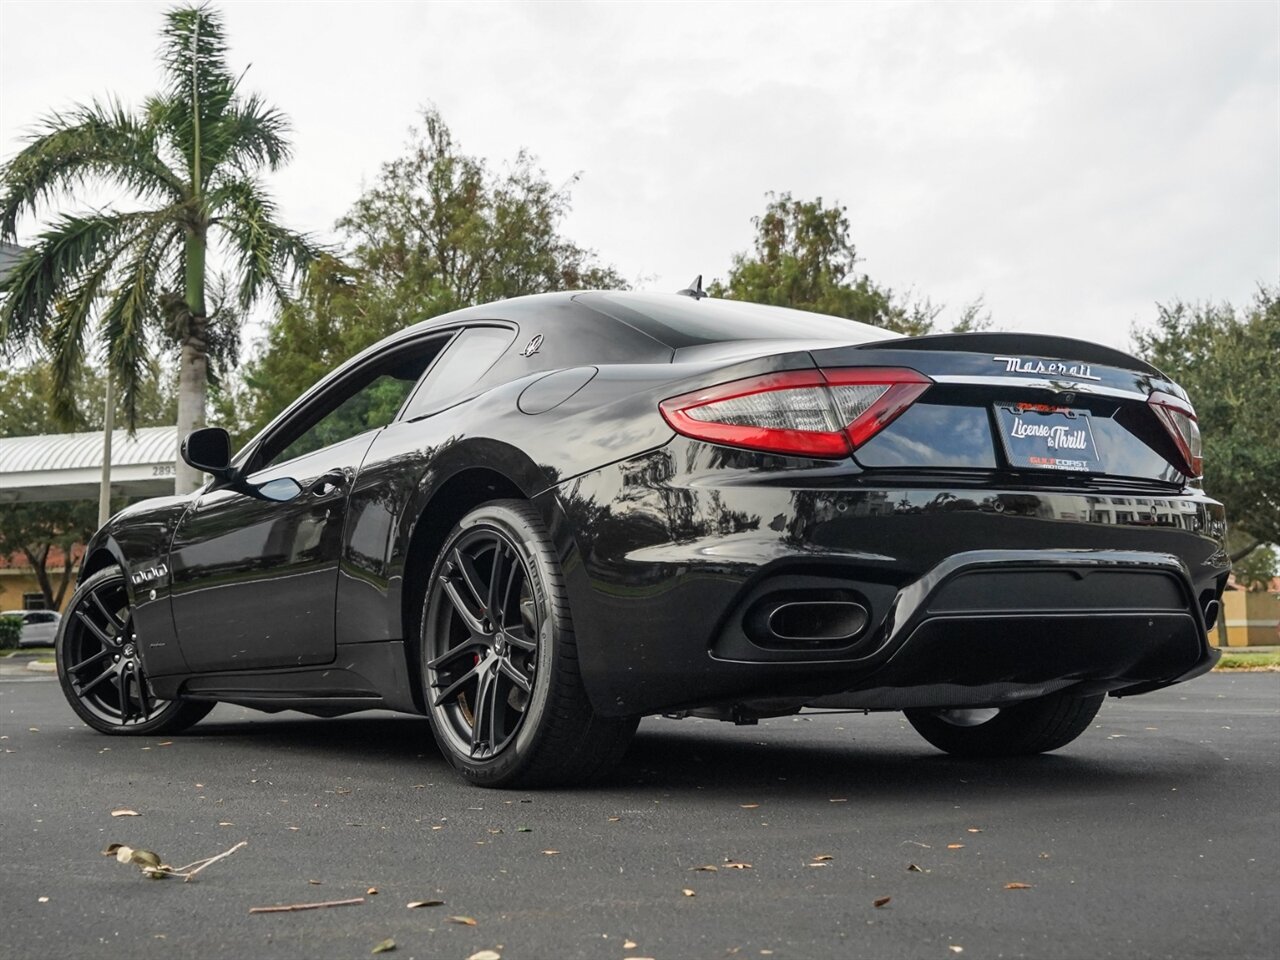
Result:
974,595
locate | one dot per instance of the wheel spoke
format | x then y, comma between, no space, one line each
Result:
141,684
512,673
519,642
459,604
93,659
122,690
483,712
452,689
96,630
505,568
97,680
470,576
111,617
469,646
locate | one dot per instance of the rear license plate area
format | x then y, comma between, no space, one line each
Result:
1040,437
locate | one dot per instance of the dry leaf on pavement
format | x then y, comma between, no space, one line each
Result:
465,921
125,812
881,902
386,946
1017,886
415,904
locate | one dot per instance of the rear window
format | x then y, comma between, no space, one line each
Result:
685,322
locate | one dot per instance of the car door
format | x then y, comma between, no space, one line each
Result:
254,580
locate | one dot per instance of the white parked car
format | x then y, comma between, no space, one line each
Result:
39,627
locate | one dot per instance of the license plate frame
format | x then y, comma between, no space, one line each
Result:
1041,437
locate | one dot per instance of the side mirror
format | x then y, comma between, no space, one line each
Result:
208,450
279,490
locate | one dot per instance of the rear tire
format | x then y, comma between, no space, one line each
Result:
500,660
101,670
1036,726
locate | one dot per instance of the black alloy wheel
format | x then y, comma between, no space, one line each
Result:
101,669
500,671
1021,729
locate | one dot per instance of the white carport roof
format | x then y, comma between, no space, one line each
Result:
68,466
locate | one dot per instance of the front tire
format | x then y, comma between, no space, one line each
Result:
500,660
1036,726
101,671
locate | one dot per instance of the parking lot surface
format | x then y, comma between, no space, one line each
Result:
1157,834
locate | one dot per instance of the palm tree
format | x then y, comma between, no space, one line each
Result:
127,280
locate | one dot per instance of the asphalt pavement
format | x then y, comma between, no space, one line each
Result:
1154,835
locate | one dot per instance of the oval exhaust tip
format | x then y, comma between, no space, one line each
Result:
817,620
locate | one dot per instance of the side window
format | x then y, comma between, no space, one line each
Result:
468,358
365,401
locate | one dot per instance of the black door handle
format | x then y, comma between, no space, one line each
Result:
327,484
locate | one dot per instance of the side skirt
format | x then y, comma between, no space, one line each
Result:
363,676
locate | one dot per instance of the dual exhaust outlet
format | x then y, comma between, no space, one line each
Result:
776,622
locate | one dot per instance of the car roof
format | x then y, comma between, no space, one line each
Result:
674,320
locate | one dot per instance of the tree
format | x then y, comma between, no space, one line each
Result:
43,530
1226,360
128,279
1256,570
438,230
803,258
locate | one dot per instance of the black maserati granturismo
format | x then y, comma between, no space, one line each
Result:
539,520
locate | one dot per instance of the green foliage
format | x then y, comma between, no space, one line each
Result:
1258,568
438,230
10,632
804,258
132,280
1225,358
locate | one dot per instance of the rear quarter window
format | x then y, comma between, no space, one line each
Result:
463,363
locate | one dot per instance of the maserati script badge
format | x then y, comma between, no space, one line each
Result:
1054,368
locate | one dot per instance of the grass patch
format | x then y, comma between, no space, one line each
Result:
1249,661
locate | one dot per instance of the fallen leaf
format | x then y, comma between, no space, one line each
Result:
748,806
415,904
225,823
881,902
823,864
551,853
688,893
954,846
975,830
524,829
124,812
123,853
485,955
629,945
465,921
912,868
838,800
496,830
165,743
955,949
111,848
822,856
372,891
705,868
315,883
386,946
42,899
1017,886
736,865
614,819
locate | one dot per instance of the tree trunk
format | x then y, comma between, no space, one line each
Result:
193,368
38,557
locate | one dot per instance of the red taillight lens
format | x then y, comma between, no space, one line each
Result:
1179,418
806,413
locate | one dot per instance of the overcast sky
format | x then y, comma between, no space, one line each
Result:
1072,163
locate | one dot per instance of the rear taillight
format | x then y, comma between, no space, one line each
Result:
1179,418
805,413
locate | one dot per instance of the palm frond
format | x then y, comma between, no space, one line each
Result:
130,310
59,261
199,85
266,255
96,141
250,135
